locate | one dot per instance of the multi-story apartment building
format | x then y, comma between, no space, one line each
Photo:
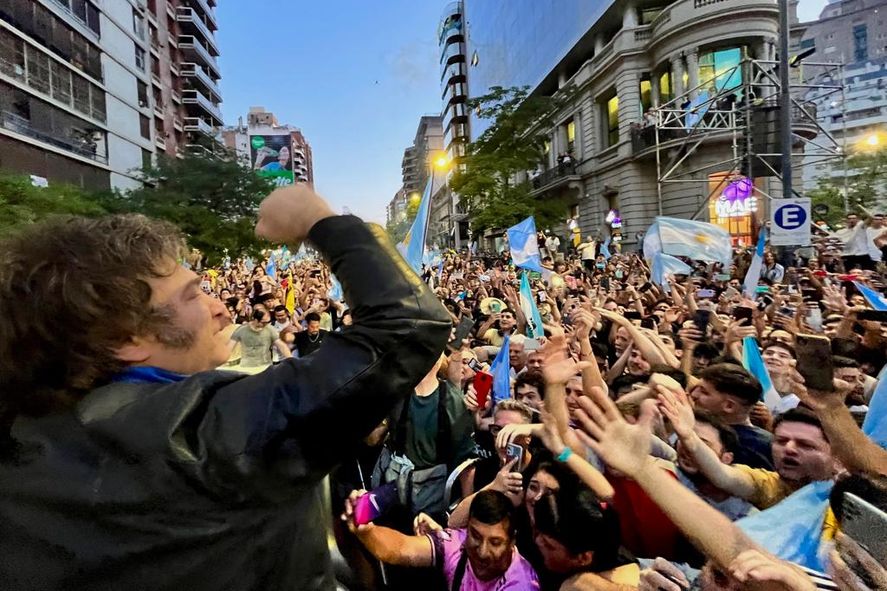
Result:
416,158
853,33
86,96
243,140
623,58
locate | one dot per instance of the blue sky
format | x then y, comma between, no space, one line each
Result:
354,75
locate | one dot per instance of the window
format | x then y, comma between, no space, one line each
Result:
61,82
38,70
611,118
646,88
145,126
571,136
808,43
140,58
665,94
138,24
143,93
720,70
860,43
97,101
146,159
81,95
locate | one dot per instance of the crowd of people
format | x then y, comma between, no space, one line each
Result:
593,426
633,434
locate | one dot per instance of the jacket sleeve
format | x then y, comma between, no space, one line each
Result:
300,418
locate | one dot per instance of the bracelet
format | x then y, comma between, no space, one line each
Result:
564,455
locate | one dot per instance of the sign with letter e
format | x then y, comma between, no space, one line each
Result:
790,222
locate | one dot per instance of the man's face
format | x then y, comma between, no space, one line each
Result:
556,556
574,393
637,365
193,341
529,395
801,454
506,321
622,340
517,356
851,220
314,327
705,397
534,360
281,317
854,377
489,549
777,359
710,437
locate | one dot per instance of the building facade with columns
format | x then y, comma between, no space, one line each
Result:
625,59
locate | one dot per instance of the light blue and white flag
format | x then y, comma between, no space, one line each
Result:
754,363
874,299
750,285
699,241
528,307
335,293
875,423
501,370
665,265
800,518
524,246
271,268
249,264
413,246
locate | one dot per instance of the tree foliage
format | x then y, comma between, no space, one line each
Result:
485,178
868,178
212,198
22,203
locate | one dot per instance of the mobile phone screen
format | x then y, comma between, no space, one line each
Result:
815,361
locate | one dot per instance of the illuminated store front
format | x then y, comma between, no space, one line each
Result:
732,204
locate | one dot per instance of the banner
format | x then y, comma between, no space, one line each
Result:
272,157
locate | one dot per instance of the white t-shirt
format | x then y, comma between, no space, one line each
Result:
871,234
586,250
552,243
854,240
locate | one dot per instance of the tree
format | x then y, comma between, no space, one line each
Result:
397,230
22,203
211,197
868,178
485,178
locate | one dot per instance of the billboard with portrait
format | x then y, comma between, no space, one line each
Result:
272,157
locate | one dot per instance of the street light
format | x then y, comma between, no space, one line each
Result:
873,140
441,161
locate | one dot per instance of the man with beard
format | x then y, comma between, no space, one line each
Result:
481,557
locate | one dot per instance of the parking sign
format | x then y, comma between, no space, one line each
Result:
790,222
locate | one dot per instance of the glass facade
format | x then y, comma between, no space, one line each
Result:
612,112
519,42
720,69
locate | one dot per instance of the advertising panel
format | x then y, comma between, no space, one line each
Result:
272,157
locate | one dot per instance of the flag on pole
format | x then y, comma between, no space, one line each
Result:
750,285
271,268
699,241
524,246
501,370
290,295
528,307
874,299
754,363
413,246
665,265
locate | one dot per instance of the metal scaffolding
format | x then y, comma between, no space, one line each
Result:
747,115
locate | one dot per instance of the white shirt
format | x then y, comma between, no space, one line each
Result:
871,234
854,240
586,251
552,243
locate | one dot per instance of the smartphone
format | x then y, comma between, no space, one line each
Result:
705,293
543,297
762,289
810,295
814,318
372,505
875,315
475,365
787,311
513,451
645,287
532,344
743,313
461,333
632,314
815,361
865,524
700,319
723,277
483,383
648,323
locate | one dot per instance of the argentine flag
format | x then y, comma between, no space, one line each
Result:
754,363
501,370
665,265
875,423
874,299
524,246
413,246
750,285
699,241
528,307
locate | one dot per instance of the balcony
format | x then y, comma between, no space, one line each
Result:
452,53
676,18
457,72
195,97
206,10
198,125
194,51
457,113
201,76
85,148
189,21
560,175
178,124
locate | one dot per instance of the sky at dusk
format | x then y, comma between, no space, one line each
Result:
355,76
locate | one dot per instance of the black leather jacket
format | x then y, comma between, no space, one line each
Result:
215,482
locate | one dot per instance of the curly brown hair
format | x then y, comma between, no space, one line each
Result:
72,291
